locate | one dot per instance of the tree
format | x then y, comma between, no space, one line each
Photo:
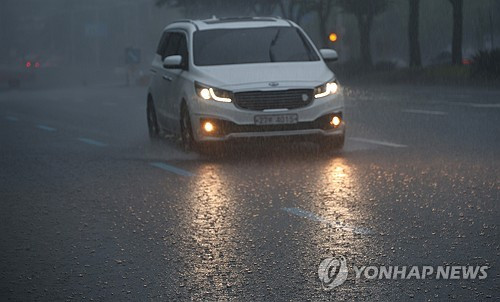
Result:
413,34
364,11
456,43
323,9
242,7
263,7
203,8
289,9
293,9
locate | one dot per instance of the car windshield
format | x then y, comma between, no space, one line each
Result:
251,45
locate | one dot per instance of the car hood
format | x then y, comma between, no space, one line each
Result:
263,76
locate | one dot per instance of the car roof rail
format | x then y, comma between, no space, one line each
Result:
215,19
186,21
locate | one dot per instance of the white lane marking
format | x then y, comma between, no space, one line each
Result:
475,105
172,169
11,118
92,142
375,142
334,224
46,128
457,96
417,111
485,105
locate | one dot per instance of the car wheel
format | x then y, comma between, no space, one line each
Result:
331,145
188,143
153,128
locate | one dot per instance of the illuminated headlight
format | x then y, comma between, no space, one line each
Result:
211,93
326,90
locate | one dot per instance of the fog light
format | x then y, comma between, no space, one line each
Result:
208,127
335,122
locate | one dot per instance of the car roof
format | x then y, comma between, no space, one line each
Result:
233,22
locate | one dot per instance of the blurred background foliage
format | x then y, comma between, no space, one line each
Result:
373,35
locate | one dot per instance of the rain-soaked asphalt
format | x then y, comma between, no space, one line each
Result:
91,210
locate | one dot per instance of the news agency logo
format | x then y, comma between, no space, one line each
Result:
333,272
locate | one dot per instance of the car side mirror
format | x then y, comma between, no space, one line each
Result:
173,62
329,55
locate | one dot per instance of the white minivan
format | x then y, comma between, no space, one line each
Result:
231,78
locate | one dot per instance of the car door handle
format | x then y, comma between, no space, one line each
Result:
165,77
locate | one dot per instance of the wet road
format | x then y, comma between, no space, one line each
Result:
91,210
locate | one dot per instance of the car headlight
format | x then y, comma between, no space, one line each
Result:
210,93
326,89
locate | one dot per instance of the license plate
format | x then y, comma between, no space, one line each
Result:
276,119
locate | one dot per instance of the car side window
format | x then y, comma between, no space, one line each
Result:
175,44
163,43
172,45
183,51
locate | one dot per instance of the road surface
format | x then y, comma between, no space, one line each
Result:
92,210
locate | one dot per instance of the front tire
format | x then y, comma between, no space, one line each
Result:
188,142
153,128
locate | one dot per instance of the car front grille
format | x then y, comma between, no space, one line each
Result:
283,99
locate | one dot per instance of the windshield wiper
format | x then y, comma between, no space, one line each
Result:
273,42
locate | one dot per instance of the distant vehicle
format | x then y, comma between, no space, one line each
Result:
12,76
222,79
16,72
25,69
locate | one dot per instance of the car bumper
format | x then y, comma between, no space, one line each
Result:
232,122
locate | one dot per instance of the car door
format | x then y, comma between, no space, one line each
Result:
168,79
178,81
157,81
